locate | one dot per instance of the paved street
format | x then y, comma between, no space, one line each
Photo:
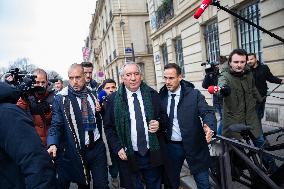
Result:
74,186
188,181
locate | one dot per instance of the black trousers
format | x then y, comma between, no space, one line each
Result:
147,174
97,163
260,106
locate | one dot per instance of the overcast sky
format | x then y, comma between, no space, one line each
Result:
50,33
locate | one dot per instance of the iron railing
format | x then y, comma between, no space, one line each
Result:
164,13
238,147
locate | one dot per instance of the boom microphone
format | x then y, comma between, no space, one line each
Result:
203,6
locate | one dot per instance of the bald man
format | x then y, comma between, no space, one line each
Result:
76,131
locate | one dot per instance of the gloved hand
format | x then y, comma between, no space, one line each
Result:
39,108
225,90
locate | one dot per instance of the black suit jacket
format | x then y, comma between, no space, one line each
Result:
111,133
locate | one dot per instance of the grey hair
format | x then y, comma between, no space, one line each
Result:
75,65
121,71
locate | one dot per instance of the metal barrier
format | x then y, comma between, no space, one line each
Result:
225,162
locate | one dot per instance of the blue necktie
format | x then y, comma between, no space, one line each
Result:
141,137
172,110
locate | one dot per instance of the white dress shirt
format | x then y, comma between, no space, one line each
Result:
176,135
130,100
96,131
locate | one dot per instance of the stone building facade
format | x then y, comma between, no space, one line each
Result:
119,32
178,37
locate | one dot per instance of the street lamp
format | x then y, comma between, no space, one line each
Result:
121,24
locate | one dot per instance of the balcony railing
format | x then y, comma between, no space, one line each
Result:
164,13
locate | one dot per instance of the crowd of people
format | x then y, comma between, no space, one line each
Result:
82,132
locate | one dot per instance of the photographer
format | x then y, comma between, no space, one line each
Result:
9,79
211,79
39,104
24,162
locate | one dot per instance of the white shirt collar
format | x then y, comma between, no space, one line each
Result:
129,93
177,92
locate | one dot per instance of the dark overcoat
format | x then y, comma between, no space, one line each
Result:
191,109
24,161
67,133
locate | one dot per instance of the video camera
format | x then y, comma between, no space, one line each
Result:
24,82
211,67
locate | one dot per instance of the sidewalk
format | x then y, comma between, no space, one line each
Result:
186,179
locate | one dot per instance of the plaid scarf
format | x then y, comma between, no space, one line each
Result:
88,118
122,118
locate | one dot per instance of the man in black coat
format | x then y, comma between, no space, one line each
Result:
75,135
24,161
261,74
186,137
131,122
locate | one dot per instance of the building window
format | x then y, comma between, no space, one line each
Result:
142,67
148,38
179,54
164,12
249,37
165,54
212,42
113,38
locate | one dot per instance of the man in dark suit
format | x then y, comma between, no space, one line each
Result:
76,131
131,122
187,138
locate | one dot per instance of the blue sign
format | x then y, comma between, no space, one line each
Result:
128,50
157,58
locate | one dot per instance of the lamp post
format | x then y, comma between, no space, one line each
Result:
121,24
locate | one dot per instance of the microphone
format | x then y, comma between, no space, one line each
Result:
225,90
203,6
213,89
101,96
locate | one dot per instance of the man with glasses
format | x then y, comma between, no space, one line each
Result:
131,123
